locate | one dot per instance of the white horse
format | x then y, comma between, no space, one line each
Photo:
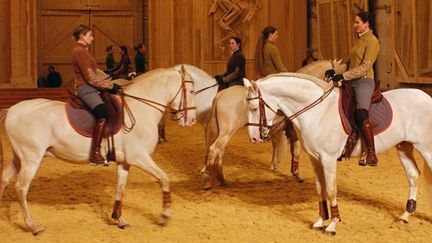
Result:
39,127
228,114
323,136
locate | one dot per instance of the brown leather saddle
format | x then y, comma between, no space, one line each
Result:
83,121
380,111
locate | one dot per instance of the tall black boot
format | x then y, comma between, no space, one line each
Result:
95,156
362,117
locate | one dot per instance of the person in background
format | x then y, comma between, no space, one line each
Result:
89,81
123,68
54,79
109,60
267,58
140,62
236,69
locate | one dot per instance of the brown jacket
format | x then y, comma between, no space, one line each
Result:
86,70
272,61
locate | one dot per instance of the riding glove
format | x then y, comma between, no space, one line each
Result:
219,79
116,89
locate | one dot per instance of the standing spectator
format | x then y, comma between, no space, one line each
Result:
268,60
140,61
109,60
54,79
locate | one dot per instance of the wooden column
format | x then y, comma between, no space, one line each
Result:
23,39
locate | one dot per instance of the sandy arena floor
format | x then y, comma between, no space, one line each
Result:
74,202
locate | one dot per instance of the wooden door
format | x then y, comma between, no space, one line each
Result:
115,23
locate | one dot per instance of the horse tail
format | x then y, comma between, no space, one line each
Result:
427,173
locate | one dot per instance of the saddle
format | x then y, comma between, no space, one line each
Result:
380,111
83,121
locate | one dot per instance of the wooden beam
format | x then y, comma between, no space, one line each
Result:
400,65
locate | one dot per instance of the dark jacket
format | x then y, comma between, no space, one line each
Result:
110,62
236,69
140,63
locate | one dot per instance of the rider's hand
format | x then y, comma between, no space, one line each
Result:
116,89
329,73
337,77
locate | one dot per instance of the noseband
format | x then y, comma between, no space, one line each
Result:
263,126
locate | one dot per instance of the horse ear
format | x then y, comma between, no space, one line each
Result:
247,83
182,71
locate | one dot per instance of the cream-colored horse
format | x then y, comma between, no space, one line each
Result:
229,114
38,128
323,136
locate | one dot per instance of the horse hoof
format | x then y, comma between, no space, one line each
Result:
163,220
298,178
331,233
38,231
317,228
362,162
403,221
123,224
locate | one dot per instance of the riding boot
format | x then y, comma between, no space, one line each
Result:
368,136
350,144
95,156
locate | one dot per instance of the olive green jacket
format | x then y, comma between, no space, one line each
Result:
362,57
272,61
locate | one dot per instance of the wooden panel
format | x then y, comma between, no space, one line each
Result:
335,31
5,45
116,23
186,33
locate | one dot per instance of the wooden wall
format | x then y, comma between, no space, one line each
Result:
5,58
115,22
181,31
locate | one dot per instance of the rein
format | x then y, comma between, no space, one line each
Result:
203,89
274,129
158,106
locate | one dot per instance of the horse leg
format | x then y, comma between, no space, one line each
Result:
329,169
147,164
277,142
9,172
122,175
25,176
219,172
405,150
295,158
320,188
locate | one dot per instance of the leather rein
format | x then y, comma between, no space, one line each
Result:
158,106
264,127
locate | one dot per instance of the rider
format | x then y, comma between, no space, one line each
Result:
360,74
267,58
235,68
89,80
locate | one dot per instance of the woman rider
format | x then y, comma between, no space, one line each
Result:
88,81
235,67
360,74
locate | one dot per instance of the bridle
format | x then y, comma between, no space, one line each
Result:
183,108
264,127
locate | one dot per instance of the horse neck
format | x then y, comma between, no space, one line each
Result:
316,69
202,80
294,94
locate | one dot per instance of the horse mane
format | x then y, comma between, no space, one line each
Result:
319,82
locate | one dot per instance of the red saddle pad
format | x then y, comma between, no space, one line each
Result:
83,121
380,116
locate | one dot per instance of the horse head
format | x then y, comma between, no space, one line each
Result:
183,103
259,121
